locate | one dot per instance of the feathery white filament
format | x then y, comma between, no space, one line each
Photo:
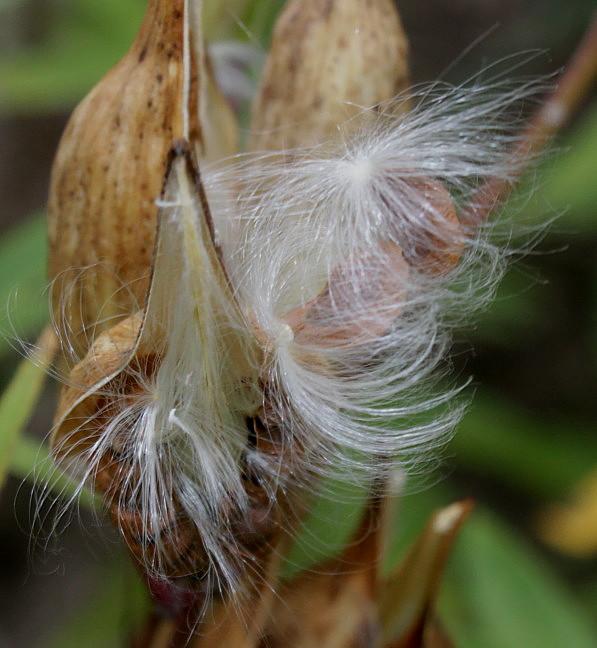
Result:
300,215
343,236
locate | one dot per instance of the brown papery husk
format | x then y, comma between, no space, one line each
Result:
109,170
328,60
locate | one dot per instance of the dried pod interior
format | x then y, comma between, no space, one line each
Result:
174,436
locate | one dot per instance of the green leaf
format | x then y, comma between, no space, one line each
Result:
33,461
540,457
334,515
567,185
572,180
107,619
86,38
260,19
22,281
18,400
519,310
589,596
499,594
226,20
82,42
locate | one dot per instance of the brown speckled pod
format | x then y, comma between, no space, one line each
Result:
328,59
109,171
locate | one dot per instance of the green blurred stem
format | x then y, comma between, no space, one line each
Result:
19,399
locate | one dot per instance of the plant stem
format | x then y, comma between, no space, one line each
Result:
552,115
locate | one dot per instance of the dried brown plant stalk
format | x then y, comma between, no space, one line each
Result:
554,113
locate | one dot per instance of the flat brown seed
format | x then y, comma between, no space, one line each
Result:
360,302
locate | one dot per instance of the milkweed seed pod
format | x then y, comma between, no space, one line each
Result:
108,174
166,416
294,307
109,170
328,60
192,500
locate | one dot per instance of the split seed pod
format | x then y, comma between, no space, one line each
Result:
109,170
174,436
191,499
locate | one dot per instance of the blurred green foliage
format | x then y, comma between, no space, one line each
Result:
82,41
503,588
117,604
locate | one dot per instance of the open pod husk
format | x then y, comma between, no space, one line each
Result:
123,407
110,166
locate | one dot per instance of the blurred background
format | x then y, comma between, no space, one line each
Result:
524,572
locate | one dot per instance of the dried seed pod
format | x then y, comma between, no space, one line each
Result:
168,418
85,442
111,351
109,170
327,61
110,385
409,594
